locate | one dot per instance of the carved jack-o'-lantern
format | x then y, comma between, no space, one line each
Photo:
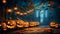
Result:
26,24
56,25
20,23
4,26
11,24
52,24
34,23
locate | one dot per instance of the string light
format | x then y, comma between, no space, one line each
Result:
17,12
28,11
4,1
15,8
21,13
25,13
9,10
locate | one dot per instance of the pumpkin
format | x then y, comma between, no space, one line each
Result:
11,24
52,24
26,24
34,23
20,23
4,26
56,25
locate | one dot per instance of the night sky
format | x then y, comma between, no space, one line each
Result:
44,11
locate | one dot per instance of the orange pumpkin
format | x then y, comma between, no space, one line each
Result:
11,24
20,23
34,23
4,26
26,24
52,24
56,25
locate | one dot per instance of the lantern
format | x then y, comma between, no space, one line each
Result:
11,24
0,25
25,13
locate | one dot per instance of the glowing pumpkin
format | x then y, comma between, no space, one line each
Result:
11,24
26,24
20,23
56,25
52,24
4,26
34,23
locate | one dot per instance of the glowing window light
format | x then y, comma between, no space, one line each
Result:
41,20
37,13
46,13
41,16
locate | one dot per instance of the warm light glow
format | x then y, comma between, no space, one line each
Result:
56,25
0,25
19,26
17,12
4,1
26,24
8,22
34,23
21,13
4,26
9,10
31,10
11,24
52,24
15,8
25,13
28,11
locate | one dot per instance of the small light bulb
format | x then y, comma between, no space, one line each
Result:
25,13
15,8
9,10
4,1
17,12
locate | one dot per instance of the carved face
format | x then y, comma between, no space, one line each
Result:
11,24
20,23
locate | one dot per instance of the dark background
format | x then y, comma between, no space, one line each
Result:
53,10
